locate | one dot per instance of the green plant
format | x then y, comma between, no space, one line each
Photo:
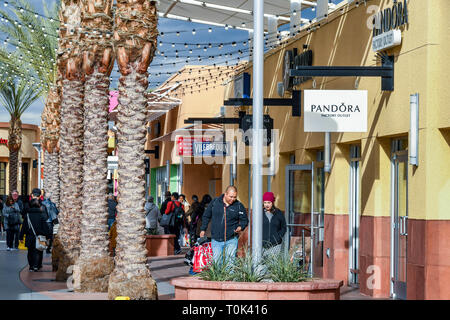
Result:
245,270
280,268
218,270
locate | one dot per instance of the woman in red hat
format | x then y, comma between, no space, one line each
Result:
274,225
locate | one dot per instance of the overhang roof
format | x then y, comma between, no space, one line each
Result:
231,12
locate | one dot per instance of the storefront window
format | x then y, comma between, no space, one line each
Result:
2,178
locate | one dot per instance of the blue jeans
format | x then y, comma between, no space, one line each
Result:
229,248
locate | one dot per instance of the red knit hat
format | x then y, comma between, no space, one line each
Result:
268,196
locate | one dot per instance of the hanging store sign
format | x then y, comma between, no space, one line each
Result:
292,60
211,149
184,144
113,162
4,141
335,111
385,32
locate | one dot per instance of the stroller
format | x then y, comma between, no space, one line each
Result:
198,256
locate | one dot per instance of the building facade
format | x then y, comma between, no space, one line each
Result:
380,223
28,156
371,216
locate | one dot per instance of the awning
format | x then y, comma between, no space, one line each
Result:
159,102
190,130
234,13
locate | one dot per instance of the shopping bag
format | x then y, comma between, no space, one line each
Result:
202,256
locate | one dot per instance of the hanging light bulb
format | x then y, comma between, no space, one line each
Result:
193,31
209,30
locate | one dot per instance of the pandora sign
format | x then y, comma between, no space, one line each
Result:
335,111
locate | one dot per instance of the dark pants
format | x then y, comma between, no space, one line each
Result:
12,239
176,231
35,258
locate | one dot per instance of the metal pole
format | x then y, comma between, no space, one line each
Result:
257,143
327,165
39,169
167,175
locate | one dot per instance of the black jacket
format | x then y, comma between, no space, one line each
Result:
235,216
274,230
39,221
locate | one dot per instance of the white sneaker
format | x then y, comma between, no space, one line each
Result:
8,249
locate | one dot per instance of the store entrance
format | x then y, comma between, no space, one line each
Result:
305,215
399,219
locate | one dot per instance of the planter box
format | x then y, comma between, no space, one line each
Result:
193,288
160,245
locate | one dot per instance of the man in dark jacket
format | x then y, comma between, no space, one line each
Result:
228,217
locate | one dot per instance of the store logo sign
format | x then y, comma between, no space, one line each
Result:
335,111
211,149
385,26
292,60
4,141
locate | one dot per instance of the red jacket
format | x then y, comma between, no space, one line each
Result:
170,206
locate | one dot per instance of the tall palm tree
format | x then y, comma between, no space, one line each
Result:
71,137
16,98
135,35
95,264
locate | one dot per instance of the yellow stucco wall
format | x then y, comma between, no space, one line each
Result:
421,66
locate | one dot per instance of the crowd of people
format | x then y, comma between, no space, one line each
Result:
31,220
219,221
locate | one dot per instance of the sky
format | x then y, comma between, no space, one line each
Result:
171,33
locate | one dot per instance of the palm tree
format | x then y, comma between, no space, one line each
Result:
16,98
71,137
95,264
135,35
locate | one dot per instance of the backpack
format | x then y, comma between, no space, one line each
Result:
178,212
13,218
51,210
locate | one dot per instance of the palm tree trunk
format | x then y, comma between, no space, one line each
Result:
71,138
94,264
14,144
71,144
92,270
135,37
13,169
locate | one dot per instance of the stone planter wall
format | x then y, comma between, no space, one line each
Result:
193,288
160,245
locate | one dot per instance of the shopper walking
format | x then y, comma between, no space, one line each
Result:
34,224
192,214
152,215
198,214
52,220
12,220
179,221
112,210
163,208
274,225
228,217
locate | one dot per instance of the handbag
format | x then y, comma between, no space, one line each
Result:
41,241
166,220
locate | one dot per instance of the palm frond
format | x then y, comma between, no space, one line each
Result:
17,96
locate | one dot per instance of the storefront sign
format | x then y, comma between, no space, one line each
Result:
184,144
211,149
292,60
113,162
4,141
385,32
387,40
335,111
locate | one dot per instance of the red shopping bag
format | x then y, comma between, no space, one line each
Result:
202,256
